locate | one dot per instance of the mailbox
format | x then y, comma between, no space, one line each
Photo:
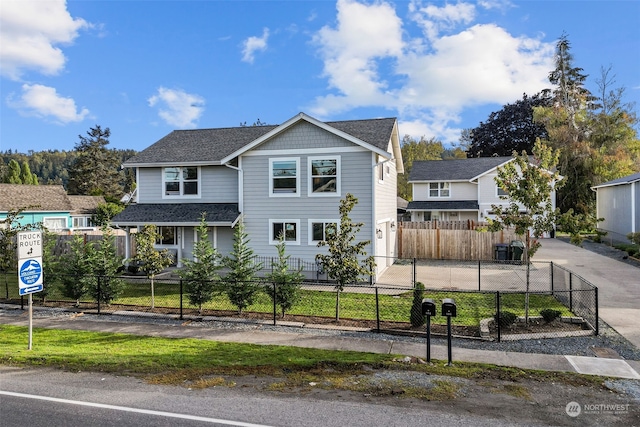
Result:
449,308
428,307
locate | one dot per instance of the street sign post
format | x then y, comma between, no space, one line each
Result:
30,277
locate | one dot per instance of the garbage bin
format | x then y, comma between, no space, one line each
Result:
517,249
501,252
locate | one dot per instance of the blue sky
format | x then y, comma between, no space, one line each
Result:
144,68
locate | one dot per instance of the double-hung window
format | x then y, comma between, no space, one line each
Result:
324,176
284,177
290,229
439,189
181,181
319,229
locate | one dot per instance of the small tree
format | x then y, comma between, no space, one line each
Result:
241,281
50,263
286,282
201,274
417,318
342,262
150,260
104,262
530,210
104,213
75,270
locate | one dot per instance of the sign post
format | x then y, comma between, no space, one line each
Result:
30,278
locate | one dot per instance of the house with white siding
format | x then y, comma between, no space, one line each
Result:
618,204
286,178
457,189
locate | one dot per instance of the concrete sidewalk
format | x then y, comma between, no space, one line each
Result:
585,365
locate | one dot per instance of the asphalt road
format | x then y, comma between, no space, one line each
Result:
135,403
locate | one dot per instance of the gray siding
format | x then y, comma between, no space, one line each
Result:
303,135
219,184
386,209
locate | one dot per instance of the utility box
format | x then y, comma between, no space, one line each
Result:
449,307
428,307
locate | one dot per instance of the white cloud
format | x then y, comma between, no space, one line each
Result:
254,44
456,64
30,32
177,107
44,102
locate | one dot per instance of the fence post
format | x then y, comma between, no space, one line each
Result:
274,303
551,274
413,278
479,269
597,311
99,293
377,311
571,292
498,317
181,314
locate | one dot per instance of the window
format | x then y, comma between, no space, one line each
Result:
324,175
284,177
54,223
383,170
181,181
501,192
167,236
439,189
287,227
318,230
82,222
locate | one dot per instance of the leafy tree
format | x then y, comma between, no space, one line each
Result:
343,261
9,229
529,186
241,281
510,129
104,263
417,318
104,213
201,274
286,281
412,150
76,270
150,260
95,170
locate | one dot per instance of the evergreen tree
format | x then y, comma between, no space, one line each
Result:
75,270
13,175
286,282
417,318
96,169
150,260
9,229
200,275
343,261
104,263
50,263
26,176
242,285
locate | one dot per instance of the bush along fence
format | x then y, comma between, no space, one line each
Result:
558,302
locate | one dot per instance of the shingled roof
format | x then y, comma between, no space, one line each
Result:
211,145
454,170
85,204
177,214
48,198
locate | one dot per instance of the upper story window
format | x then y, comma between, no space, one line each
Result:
181,181
501,192
324,176
284,177
439,189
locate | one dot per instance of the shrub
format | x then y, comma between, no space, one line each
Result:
417,318
507,318
634,237
550,315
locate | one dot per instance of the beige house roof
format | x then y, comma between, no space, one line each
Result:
34,198
85,204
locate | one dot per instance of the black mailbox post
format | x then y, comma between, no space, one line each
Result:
450,310
428,309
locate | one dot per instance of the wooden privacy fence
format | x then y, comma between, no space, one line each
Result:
462,244
442,225
63,242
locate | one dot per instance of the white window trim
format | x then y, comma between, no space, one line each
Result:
56,218
439,190
176,238
498,195
273,240
283,159
181,196
310,228
310,192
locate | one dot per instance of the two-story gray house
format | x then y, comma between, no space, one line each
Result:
276,179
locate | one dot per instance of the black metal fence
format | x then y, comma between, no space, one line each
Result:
486,295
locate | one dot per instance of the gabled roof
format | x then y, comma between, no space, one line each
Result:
620,181
454,170
183,214
218,146
85,204
42,198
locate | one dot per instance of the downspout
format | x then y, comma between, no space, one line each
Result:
633,207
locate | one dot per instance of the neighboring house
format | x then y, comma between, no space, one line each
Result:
49,205
278,179
456,190
618,203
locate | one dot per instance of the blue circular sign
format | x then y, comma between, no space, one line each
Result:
30,272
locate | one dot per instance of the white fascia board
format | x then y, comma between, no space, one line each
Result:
172,164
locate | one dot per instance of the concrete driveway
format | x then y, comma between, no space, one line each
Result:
618,283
